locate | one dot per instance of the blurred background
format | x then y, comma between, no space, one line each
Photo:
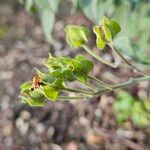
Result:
119,120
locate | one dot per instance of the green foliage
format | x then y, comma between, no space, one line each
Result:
54,82
33,98
50,92
47,10
76,35
127,107
3,31
69,69
60,71
106,32
134,18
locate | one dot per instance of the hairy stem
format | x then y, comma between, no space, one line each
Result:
90,86
100,83
125,84
83,92
85,47
71,97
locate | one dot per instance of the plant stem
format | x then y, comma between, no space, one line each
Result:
90,86
124,59
125,84
85,47
83,92
101,83
70,97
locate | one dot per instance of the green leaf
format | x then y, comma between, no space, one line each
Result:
80,76
57,74
47,10
31,101
107,32
147,105
68,75
101,41
79,58
37,93
124,102
46,78
58,83
114,28
86,65
82,68
54,63
34,102
76,35
50,92
48,19
28,5
26,85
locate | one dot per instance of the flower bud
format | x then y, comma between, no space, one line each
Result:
76,35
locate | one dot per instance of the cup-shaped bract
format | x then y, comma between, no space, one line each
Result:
77,35
106,32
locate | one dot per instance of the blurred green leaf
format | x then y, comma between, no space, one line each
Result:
101,41
3,32
124,101
81,69
57,74
28,5
114,28
26,85
34,102
37,93
127,107
58,83
68,75
50,92
47,10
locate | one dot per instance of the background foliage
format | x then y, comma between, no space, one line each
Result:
133,15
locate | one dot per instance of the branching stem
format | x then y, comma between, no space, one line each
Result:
85,47
125,84
83,92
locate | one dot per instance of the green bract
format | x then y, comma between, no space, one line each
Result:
76,35
106,32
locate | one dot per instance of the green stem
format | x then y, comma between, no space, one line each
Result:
70,97
98,57
101,83
124,59
90,86
83,92
125,84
